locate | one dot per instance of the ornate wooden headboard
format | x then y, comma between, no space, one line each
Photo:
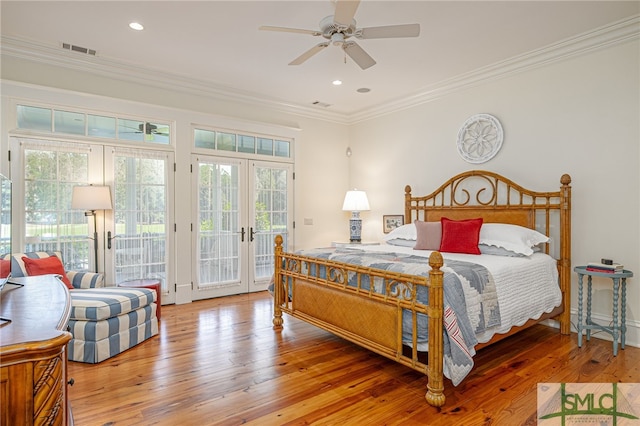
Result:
479,193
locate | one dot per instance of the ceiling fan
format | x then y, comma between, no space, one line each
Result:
339,28
149,129
152,129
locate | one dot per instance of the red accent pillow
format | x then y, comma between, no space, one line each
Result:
460,236
5,267
46,265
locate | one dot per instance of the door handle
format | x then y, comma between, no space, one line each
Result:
251,234
109,238
242,232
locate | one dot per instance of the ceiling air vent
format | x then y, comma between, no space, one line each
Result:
322,104
79,49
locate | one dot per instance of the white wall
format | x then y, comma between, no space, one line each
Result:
580,116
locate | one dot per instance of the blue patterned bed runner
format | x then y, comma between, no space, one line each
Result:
470,301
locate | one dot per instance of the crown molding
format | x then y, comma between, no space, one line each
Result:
599,38
52,55
616,33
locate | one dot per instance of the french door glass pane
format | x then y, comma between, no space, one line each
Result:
270,215
140,215
218,212
50,224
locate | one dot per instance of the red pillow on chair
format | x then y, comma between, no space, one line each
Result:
5,268
460,236
46,265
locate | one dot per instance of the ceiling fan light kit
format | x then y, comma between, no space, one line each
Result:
335,29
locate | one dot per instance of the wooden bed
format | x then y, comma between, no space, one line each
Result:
374,321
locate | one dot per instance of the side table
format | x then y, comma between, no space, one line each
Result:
152,284
617,330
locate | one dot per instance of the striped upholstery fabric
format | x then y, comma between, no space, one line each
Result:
78,279
98,330
107,321
93,352
102,303
83,280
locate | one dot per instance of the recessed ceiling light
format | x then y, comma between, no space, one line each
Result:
363,90
337,82
136,26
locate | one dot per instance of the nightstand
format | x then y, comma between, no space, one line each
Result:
617,330
347,243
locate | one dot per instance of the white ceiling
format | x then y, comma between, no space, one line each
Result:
218,44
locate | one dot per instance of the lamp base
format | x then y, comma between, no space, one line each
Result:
355,228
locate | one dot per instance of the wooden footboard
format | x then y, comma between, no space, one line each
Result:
337,297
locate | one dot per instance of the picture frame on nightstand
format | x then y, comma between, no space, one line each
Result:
391,222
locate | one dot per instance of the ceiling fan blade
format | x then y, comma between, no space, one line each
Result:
309,53
289,30
389,31
358,55
345,11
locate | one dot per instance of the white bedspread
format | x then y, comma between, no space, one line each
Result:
527,287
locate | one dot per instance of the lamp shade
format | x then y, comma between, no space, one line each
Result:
355,201
91,197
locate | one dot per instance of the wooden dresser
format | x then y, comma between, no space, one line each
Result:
33,355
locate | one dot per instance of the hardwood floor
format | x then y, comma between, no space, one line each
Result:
219,362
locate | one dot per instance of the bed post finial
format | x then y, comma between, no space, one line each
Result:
565,253
407,204
278,296
435,387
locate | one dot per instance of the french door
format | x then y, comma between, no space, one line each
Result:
134,238
241,206
140,237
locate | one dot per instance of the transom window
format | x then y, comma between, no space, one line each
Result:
84,124
232,141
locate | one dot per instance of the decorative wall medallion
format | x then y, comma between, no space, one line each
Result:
480,138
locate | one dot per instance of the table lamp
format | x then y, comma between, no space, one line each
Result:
355,201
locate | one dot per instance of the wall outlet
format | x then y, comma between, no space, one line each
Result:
308,221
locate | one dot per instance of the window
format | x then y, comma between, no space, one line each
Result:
83,124
230,141
69,122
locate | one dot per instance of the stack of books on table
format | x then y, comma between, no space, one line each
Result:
602,267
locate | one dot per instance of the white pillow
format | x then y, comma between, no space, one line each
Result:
404,232
400,242
511,237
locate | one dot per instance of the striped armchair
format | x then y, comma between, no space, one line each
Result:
77,279
105,320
